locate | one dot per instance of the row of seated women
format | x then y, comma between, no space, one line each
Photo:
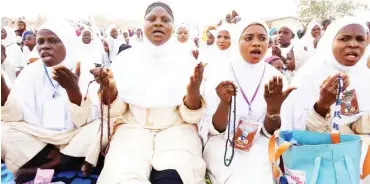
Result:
166,115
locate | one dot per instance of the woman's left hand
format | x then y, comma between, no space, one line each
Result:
274,95
196,80
69,81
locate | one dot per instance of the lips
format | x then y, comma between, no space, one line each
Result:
256,53
158,32
352,56
46,56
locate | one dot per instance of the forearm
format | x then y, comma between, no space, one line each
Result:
75,97
193,101
220,117
4,92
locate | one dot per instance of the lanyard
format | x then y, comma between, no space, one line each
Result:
255,92
55,94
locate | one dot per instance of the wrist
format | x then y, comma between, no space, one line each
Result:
271,110
322,105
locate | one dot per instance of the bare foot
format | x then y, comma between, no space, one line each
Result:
86,169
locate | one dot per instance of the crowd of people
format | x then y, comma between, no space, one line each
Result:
158,105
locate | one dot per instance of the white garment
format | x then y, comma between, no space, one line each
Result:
113,43
252,166
32,88
13,51
310,77
188,45
8,68
153,76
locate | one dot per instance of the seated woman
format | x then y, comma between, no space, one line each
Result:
44,117
312,105
156,138
258,88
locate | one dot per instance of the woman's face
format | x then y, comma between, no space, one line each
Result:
114,33
158,26
125,34
21,26
3,33
253,43
106,47
284,36
316,31
290,63
86,37
50,47
223,40
210,39
182,35
278,64
349,44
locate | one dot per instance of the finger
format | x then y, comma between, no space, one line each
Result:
323,82
332,90
266,93
276,86
66,71
78,69
280,84
59,75
332,80
271,86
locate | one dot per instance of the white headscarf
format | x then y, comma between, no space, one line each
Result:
13,51
311,76
88,54
152,76
189,45
113,43
32,87
248,76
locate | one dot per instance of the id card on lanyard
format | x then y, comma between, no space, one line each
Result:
54,112
246,133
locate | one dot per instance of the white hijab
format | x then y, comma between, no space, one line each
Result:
189,45
153,76
248,75
113,43
89,54
32,88
311,76
13,51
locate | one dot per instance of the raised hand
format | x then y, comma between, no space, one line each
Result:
103,76
329,90
274,95
225,91
195,53
196,80
69,81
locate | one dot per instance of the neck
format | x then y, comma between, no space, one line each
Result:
31,47
284,45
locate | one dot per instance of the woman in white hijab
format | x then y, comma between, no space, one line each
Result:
157,110
137,39
90,54
258,88
45,116
312,105
13,51
184,38
306,46
113,40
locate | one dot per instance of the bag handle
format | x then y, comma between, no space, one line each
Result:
316,169
366,165
274,154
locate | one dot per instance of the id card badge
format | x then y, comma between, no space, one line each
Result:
54,114
245,134
349,106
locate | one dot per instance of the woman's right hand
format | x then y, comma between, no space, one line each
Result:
104,77
225,90
328,90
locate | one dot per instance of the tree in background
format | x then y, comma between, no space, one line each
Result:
327,9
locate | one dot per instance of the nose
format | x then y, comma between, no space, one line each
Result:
44,45
256,42
353,43
158,23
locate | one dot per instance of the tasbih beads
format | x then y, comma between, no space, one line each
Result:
230,142
104,152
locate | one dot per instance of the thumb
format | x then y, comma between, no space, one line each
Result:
288,91
78,68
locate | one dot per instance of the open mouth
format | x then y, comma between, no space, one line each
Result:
352,56
158,33
45,56
256,53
